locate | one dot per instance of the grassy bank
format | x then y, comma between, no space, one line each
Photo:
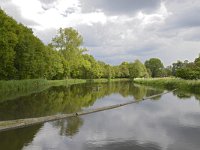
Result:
172,83
16,88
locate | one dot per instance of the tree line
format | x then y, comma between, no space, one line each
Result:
24,56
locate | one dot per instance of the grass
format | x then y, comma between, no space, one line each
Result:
172,83
17,88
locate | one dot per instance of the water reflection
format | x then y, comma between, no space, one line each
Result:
16,139
66,99
70,126
163,123
186,94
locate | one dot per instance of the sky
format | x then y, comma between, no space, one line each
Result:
118,30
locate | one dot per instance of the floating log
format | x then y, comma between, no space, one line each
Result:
20,123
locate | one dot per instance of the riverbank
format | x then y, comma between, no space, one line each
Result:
171,83
16,88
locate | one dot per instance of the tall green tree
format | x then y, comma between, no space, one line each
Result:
8,41
68,42
138,70
22,55
124,69
55,64
178,65
155,66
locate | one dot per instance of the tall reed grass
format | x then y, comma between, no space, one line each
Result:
171,83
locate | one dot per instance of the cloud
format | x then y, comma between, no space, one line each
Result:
184,14
125,38
47,1
120,7
56,14
14,11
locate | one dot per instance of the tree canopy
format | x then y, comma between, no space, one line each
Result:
155,66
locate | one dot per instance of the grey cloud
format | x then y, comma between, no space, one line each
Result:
47,1
48,4
185,14
192,34
186,19
106,44
120,6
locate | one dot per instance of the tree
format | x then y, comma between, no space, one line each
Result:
30,55
8,41
138,70
124,70
189,70
167,72
55,64
68,42
22,55
197,61
178,65
155,66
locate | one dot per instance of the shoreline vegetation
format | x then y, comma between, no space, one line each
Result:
192,86
17,88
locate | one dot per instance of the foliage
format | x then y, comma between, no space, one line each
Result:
188,70
137,70
172,83
155,66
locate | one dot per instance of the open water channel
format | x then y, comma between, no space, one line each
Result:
168,122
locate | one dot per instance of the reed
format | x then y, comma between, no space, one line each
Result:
171,83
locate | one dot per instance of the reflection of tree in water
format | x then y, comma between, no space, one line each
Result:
73,125
56,99
67,99
139,92
18,138
183,94
70,126
151,92
197,97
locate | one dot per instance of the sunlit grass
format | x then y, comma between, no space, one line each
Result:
172,83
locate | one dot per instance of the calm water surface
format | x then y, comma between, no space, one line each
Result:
168,122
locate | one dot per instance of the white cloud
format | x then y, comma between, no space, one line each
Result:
60,13
148,31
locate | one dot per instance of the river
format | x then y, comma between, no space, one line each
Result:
168,122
